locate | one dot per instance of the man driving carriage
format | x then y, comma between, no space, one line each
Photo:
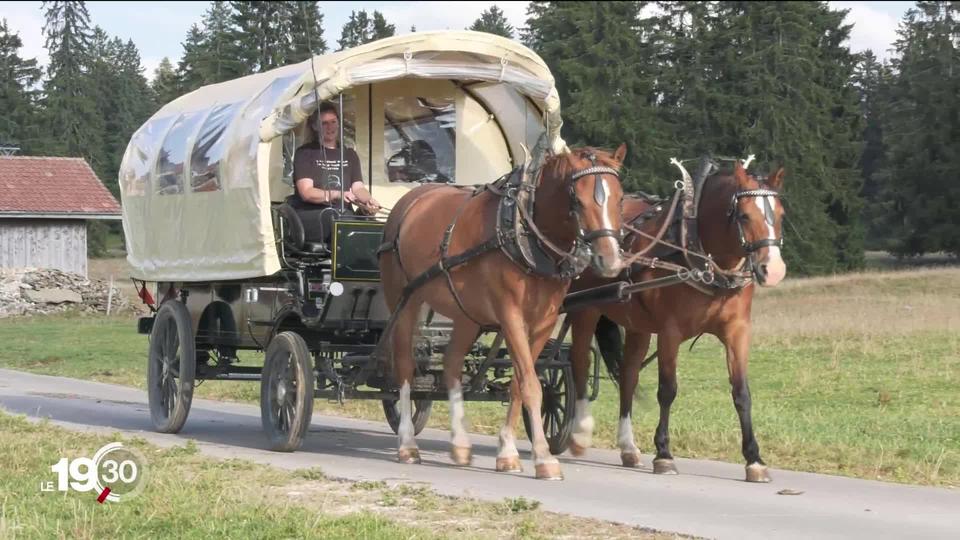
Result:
316,169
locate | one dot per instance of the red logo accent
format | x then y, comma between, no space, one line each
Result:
103,496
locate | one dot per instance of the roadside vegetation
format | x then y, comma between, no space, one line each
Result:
854,375
192,496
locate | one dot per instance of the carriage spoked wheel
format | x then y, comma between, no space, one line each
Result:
557,408
171,367
421,414
286,392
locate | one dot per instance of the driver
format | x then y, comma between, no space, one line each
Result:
316,171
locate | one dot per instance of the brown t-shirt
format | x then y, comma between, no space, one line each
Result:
322,165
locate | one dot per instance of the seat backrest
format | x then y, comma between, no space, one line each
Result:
293,233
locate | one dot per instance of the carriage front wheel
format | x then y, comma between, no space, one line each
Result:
421,414
557,408
171,367
286,391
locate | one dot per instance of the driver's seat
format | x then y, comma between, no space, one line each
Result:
294,236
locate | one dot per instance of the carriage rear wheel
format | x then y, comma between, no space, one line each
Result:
421,414
171,367
286,392
557,408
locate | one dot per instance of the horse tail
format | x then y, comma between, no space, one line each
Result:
610,342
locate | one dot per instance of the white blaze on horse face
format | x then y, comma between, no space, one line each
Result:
776,269
458,433
625,436
583,424
405,429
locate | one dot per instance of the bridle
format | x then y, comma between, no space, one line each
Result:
599,197
752,247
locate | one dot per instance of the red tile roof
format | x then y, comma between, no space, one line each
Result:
52,185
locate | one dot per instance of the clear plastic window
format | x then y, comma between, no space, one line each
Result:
140,156
241,169
209,147
173,154
420,139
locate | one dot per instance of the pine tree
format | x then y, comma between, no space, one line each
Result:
306,22
264,31
166,83
220,59
872,80
921,131
188,69
362,28
493,21
604,76
69,110
18,99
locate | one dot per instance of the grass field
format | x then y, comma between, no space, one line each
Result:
190,496
854,375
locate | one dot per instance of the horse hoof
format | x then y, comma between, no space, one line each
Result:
664,466
409,456
757,472
576,450
630,459
509,464
548,471
461,456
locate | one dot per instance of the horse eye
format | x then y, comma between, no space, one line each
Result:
743,217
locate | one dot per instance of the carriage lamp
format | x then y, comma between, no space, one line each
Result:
335,288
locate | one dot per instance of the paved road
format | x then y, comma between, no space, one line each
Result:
707,499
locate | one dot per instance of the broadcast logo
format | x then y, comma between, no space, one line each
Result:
116,472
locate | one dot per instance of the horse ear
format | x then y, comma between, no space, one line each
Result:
620,153
740,174
775,180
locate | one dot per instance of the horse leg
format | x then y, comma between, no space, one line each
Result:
635,346
582,327
508,458
545,465
737,342
403,365
668,345
463,336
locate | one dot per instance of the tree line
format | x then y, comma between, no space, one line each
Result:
871,148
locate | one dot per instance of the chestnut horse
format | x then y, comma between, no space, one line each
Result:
739,223
576,201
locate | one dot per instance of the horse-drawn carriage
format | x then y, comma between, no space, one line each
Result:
492,218
222,261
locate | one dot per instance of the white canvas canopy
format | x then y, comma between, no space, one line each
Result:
199,177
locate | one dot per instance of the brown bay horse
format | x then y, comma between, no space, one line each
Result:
576,200
739,225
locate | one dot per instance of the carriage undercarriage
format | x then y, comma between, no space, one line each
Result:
320,337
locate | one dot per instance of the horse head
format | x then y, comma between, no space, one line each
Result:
753,216
596,200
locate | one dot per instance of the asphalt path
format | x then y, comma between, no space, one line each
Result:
707,498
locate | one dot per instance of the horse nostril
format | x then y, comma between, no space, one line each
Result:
762,270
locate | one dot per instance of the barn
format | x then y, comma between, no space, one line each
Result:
45,205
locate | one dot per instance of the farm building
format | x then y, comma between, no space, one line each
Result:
45,205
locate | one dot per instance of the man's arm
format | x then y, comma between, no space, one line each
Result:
313,195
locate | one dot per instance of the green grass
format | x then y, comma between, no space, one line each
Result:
854,375
190,496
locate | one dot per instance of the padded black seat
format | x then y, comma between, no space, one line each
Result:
294,234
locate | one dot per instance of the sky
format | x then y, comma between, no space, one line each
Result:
158,28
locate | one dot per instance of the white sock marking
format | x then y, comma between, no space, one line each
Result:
625,437
458,434
405,430
583,424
